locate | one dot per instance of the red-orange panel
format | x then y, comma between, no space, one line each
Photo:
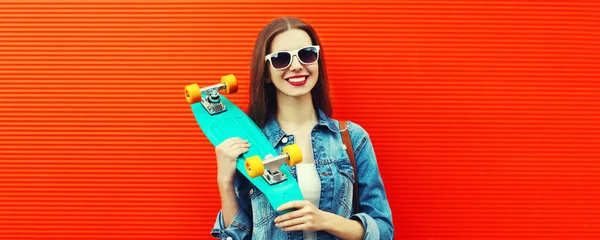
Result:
485,115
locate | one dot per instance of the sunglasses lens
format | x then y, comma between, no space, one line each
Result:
280,60
308,55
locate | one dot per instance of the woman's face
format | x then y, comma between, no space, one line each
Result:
297,79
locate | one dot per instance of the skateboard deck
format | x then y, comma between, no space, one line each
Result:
226,120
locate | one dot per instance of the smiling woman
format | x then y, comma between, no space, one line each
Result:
289,100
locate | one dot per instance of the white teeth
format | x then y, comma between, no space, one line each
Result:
298,79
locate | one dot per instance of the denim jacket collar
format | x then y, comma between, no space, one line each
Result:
274,133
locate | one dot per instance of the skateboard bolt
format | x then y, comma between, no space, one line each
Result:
214,98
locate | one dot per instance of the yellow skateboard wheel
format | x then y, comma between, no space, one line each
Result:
192,93
294,154
230,83
254,166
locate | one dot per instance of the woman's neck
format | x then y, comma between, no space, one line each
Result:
295,113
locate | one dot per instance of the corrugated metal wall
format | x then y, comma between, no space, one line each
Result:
484,114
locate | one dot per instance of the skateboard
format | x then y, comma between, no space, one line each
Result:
220,119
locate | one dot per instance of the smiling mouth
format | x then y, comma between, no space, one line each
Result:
297,79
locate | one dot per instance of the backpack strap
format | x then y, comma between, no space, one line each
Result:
348,143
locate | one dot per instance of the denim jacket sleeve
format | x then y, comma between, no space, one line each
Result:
375,213
241,225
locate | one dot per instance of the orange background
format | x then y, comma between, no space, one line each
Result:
485,115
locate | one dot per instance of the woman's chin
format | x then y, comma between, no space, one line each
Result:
295,92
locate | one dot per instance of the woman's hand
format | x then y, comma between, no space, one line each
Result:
307,217
227,153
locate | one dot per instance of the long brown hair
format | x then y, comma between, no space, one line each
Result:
263,102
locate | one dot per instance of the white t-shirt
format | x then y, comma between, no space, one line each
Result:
310,186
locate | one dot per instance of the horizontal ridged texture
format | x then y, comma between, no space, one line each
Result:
484,114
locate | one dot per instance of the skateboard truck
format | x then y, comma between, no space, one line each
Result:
211,99
272,174
255,166
209,96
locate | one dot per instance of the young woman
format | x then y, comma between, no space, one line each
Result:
289,101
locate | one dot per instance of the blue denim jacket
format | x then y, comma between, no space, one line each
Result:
254,219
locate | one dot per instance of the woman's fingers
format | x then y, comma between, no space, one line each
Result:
231,142
299,227
294,221
239,146
238,149
232,148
